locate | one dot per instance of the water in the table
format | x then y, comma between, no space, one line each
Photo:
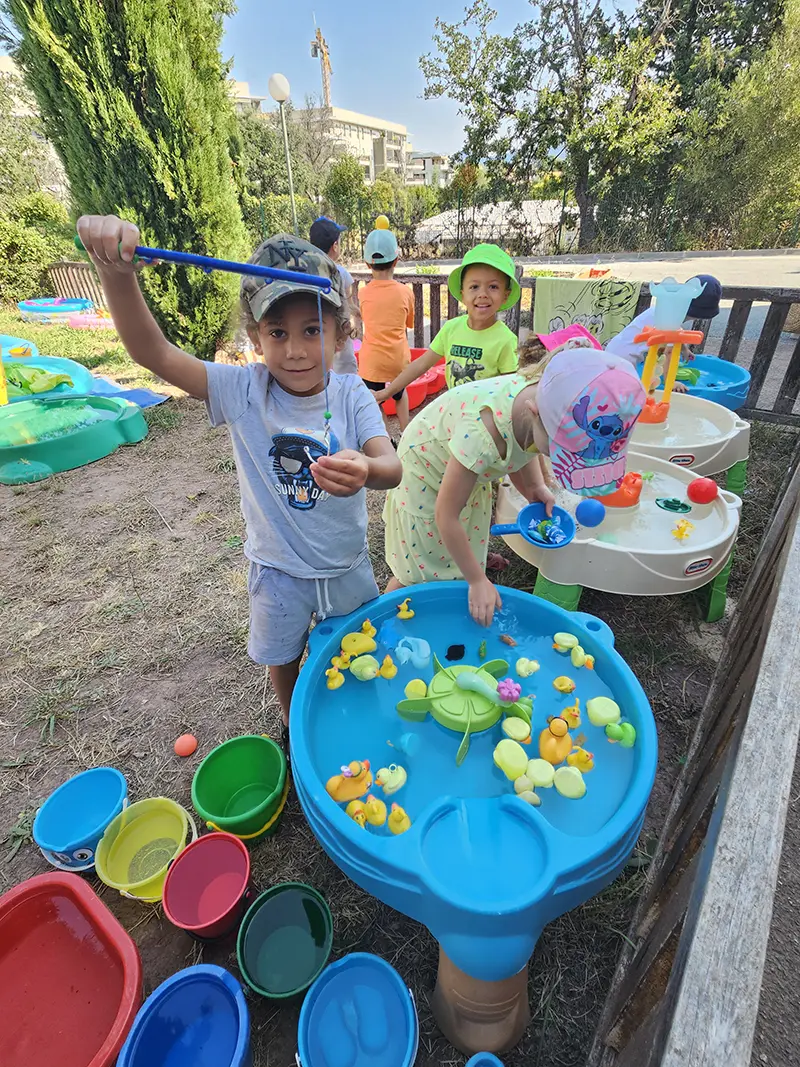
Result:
357,721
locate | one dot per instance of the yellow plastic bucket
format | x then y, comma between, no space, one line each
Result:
136,850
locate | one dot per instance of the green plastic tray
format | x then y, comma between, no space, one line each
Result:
43,437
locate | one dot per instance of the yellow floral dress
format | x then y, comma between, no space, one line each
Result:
450,427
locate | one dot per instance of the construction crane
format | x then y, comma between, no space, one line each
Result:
319,50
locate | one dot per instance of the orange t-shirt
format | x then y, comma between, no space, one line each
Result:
387,310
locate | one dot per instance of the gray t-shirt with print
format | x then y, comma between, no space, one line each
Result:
292,524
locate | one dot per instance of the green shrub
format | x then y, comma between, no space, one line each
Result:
134,98
25,255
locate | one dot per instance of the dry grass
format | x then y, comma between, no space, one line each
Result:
125,621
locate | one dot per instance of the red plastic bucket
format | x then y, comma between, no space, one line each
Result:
207,890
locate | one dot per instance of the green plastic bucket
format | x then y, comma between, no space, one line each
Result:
285,940
241,787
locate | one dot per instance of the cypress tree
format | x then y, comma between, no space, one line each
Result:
133,95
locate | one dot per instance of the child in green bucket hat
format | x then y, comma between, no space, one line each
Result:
476,345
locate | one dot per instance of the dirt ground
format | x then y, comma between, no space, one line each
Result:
124,608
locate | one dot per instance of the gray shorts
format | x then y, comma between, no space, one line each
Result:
281,608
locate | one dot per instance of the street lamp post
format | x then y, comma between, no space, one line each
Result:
278,86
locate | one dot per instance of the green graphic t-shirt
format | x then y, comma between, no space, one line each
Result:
473,354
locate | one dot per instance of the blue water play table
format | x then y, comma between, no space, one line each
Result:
483,870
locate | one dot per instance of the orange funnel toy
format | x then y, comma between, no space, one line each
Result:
628,493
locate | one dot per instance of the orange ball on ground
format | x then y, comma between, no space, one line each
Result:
185,745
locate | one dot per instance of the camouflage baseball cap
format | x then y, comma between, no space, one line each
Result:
287,252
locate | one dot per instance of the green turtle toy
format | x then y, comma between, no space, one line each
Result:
466,699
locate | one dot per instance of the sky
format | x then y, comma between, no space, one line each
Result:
374,48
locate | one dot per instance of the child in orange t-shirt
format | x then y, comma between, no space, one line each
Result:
387,311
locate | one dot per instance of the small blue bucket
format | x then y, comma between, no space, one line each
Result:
360,1011
196,1017
484,1059
70,823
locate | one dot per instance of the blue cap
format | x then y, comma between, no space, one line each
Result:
324,232
380,247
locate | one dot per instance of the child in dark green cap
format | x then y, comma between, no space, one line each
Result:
476,345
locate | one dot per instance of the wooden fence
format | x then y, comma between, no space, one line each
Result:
687,986
79,279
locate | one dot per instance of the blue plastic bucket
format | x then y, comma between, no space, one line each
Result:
484,1059
70,823
198,1016
358,1011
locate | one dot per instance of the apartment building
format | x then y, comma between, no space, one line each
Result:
429,168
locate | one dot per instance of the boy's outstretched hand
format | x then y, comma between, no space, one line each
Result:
110,242
341,474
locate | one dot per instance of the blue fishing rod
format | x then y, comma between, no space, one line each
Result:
209,263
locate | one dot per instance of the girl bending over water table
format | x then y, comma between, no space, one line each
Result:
577,407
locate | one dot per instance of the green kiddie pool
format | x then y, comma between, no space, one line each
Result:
43,437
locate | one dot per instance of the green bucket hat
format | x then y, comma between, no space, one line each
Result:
287,252
490,256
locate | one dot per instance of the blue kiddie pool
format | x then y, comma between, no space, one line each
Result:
70,823
720,381
358,1013
197,1017
53,308
480,867
9,344
82,379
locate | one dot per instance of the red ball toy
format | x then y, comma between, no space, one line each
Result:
702,491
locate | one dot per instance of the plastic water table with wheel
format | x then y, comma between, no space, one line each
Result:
42,437
442,837
638,550
682,429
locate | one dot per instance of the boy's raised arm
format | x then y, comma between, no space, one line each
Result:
110,243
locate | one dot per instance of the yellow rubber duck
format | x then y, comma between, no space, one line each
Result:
517,729
526,667
357,812
404,611
572,715
603,711
335,678
354,781
365,668
375,810
564,684
391,779
555,742
569,783
388,669
341,662
581,759
564,642
683,529
399,822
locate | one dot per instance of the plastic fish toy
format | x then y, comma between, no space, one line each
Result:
548,531
482,651
414,650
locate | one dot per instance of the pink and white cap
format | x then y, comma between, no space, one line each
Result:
573,336
589,402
